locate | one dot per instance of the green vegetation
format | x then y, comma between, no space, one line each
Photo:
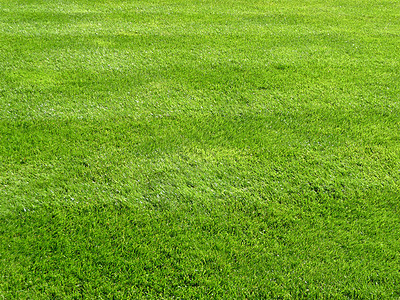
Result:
199,149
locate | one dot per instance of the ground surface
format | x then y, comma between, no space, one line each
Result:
208,149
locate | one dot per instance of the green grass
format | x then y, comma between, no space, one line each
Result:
199,149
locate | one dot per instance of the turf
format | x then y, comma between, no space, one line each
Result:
199,149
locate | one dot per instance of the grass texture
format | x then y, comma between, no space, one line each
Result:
199,149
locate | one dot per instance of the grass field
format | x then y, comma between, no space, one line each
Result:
200,149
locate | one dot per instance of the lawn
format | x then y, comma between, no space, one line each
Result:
204,149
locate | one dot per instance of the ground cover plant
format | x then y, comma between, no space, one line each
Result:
199,149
